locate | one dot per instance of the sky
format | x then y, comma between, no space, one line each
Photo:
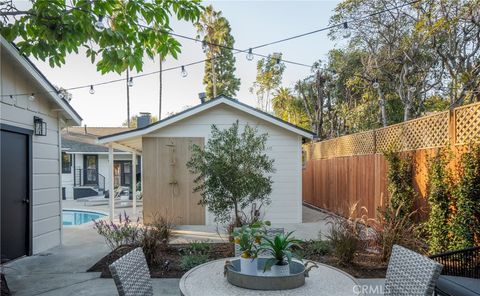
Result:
252,23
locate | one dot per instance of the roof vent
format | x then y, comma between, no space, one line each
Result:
202,96
143,119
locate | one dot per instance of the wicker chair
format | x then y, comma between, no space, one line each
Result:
131,274
410,274
461,272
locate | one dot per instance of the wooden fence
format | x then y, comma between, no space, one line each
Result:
352,169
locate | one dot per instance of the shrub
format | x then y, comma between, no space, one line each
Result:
320,247
400,176
395,228
155,235
117,234
198,248
232,171
466,221
345,236
438,196
190,261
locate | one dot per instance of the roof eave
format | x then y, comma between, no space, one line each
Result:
69,112
199,108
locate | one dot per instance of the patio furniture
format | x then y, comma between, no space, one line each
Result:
410,273
121,195
208,279
461,273
131,274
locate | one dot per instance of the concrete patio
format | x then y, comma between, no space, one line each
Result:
61,271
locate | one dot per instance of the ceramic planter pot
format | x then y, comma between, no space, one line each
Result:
281,270
248,266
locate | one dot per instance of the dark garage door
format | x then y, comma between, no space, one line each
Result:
15,194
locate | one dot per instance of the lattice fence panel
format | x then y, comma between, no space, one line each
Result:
388,138
356,144
467,124
426,132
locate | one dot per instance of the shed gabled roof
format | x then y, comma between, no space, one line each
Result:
202,107
50,90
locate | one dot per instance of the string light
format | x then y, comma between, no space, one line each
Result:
204,46
32,97
375,84
276,67
184,72
61,95
130,82
249,55
99,25
346,31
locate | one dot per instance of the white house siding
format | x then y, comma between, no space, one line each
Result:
19,112
284,148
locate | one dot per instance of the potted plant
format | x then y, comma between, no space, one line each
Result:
281,249
248,240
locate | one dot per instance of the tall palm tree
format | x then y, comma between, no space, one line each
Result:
281,103
212,29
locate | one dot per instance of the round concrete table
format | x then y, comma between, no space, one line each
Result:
207,279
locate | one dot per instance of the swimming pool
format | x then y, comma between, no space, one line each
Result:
77,217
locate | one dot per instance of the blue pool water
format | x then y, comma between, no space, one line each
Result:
75,217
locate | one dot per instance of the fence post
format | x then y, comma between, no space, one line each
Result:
451,127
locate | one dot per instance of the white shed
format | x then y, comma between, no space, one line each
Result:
31,218
164,145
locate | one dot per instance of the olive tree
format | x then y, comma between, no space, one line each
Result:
232,171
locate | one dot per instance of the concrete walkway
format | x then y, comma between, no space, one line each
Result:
61,270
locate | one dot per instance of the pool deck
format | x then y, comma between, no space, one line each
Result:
61,270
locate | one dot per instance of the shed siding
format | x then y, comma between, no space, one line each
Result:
283,146
46,165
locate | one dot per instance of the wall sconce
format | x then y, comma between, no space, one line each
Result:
40,126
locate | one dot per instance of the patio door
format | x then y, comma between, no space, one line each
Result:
90,169
15,192
122,173
167,183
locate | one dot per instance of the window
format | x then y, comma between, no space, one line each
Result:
66,163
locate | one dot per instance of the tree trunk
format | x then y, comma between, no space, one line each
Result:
160,88
383,112
214,78
237,219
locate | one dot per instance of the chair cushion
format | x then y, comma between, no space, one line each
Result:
458,286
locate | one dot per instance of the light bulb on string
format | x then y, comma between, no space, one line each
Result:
92,90
99,25
375,84
184,72
249,55
32,97
346,30
276,67
130,82
204,46
61,95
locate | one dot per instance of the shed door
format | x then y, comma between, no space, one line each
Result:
168,185
15,195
